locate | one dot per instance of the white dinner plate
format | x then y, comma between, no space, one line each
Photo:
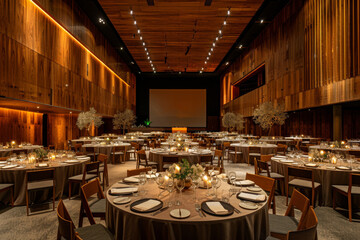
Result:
254,189
121,200
180,213
248,205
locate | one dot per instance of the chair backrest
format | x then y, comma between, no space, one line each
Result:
77,147
218,153
135,145
354,180
266,158
170,159
89,167
266,183
281,148
40,175
132,172
308,230
88,190
66,228
103,158
300,202
141,155
226,145
119,149
296,172
262,166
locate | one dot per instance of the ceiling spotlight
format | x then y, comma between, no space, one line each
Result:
154,71
132,62
207,58
202,68
131,12
227,63
143,43
152,65
145,49
212,49
150,61
147,53
148,57
38,107
179,72
138,30
205,62
139,72
216,38
213,44
228,12
209,53
135,22
220,31
201,71
224,22
240,47
70,112
153,68
121,48
66,85
140,37
262,21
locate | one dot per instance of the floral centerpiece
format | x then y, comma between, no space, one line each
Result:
41,153
183,171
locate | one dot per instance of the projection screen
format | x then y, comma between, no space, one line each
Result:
177,107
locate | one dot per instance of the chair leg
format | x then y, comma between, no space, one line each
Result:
313,197
12,196
70,189
334,200
350,208
287,195
274,206
81,217
27,202
53,198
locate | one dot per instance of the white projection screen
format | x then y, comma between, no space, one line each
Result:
177,107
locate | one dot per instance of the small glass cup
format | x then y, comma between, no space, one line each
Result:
225,196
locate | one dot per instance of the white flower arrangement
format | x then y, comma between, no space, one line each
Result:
124,120
266,115
87,119
182,170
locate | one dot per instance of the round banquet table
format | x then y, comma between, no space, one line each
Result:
265,149
156,155
220,141
107,148
26,149
325,174
126,224
63,171
327,148
174,143
276,141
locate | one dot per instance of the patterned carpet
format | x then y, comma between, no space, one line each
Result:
14,224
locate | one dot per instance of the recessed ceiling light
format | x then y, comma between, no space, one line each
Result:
227,63
37,107
101,21
212,49
209,53
145,49
70,112
205,62
131,12
143,43
213,44
228,12
140,37
150,61
202,68
216,38
240,47
224,22
154,71
66,85
220,31
139,72
147,53
138,30
135,22
148,57
207,58
179,72
201,71
262,21
121,48
132,62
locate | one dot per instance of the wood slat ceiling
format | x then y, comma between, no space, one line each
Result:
168,28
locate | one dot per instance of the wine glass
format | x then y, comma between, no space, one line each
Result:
195,181
232,179
154,170
159,181
170,188
142,180
180,184
215,183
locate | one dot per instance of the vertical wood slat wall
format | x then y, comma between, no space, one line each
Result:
311,55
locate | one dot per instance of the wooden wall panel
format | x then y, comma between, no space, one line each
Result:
20,126
311,56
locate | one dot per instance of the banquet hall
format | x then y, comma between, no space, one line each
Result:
181,119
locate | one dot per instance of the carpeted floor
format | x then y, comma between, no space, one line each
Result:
14,224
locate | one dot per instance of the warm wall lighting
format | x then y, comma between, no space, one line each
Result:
77,41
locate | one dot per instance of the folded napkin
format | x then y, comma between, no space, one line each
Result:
280,156
3,162
131,180
71,161
10,166
286,160
43,165
244,182
146,205
216,207
123,190
122,185
252,197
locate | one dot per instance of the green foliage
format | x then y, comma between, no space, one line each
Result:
147,123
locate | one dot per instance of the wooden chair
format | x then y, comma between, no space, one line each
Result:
141,160
134,147
133,172
234,152
268,185
219,156
167,161
37,180
281,148
348,190
303,179
85,176
118,151
67,230
254,153
8,187
225,149
281,225
264,170
206,160
91,152
77,147
102,158
95,208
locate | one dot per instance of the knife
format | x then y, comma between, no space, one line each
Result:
161,210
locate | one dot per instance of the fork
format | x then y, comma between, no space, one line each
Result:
197,208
